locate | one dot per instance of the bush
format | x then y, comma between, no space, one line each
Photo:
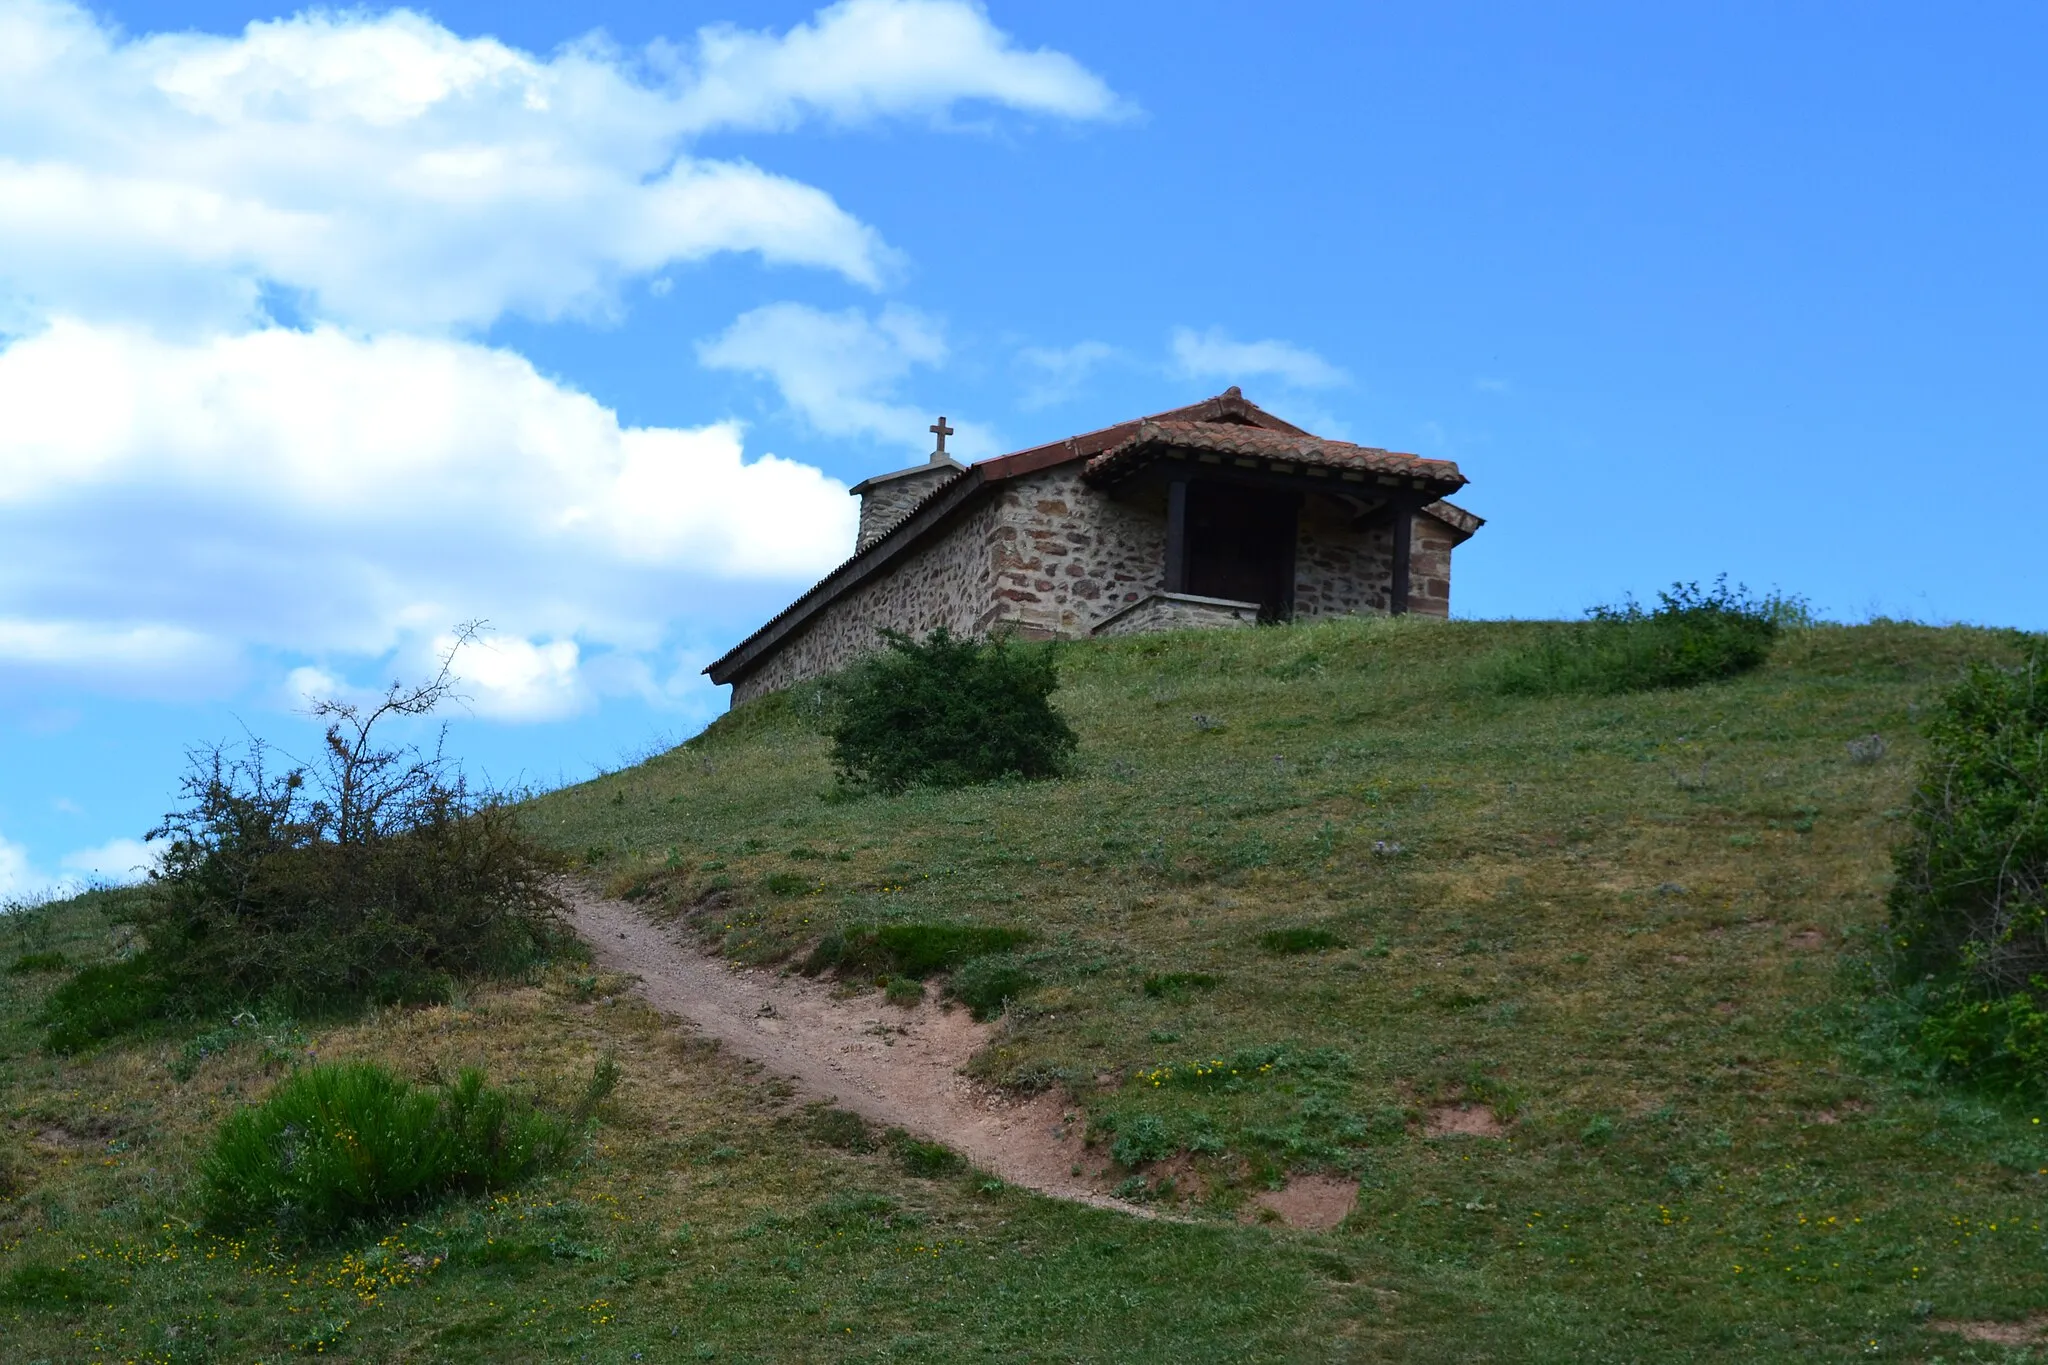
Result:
338,1143
947,712
1692,637
377,875
1968,907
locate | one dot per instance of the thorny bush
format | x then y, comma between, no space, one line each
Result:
376,873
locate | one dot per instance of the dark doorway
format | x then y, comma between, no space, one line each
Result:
1240,545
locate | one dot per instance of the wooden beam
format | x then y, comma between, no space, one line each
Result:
1293,556
1177,536
1404,535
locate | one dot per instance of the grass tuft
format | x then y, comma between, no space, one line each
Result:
1299,939
340,1143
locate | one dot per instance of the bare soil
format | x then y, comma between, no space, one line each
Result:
1311,1201
893,1066
1466,1120
2032,1332
896,1066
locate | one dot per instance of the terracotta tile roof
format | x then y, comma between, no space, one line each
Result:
1151,439
1462,523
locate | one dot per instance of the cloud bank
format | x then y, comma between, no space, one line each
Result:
241,280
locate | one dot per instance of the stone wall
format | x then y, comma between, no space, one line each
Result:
946,583
1429,567
887,500
1341,570
1178,611
1063,556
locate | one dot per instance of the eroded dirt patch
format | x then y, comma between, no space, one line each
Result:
2032,1331
1463,1120
1311,1201
893,1066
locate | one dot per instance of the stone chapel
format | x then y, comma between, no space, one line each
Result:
1217,514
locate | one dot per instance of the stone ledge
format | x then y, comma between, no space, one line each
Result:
1177,611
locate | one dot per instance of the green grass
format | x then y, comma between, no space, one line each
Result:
1626,925
708,1217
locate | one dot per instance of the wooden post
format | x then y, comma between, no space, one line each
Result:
1404,534
1177,536
1293,568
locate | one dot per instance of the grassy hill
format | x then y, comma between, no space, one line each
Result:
1614,938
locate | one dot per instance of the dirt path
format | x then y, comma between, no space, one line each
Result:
890,1065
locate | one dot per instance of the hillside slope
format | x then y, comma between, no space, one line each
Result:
1566,986
1606,937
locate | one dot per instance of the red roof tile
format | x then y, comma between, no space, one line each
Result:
1151,439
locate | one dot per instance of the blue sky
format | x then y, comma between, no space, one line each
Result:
322,332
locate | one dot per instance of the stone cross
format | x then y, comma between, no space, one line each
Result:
942,431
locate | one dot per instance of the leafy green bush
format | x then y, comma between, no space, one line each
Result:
103,1001
947,712
342,1142
1693,636
1968,908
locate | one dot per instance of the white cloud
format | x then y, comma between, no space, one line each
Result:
1059,371
315,491
863,59
516,679
117,860
844,372
17,878
186,483
390,173
1214,355
117,647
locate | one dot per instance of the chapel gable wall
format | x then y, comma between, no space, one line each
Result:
945,583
